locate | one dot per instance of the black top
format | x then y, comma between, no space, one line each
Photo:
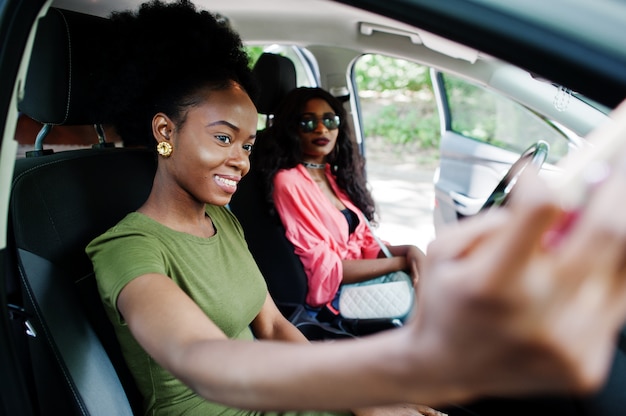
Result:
352,218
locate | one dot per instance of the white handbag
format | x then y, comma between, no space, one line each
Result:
390,296
390,299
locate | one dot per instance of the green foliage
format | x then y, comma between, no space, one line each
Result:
382,73
254,52
402,125
397,101
472,110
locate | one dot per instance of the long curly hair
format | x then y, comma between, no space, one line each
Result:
159,59
279,148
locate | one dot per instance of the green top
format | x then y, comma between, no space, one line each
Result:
218,273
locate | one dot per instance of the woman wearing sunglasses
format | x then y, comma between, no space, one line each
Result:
315,182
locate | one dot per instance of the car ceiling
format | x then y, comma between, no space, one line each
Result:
593,41
250,18
325,26
310,23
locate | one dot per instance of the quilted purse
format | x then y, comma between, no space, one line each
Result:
390,296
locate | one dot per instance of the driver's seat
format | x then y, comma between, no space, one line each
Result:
67,348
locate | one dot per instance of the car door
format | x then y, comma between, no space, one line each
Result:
482,134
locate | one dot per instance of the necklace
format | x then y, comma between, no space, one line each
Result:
314,165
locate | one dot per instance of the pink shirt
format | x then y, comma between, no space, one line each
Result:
319,231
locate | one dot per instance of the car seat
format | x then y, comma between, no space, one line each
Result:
265,233
59,202
275,76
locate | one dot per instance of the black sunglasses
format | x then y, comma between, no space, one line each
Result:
309,122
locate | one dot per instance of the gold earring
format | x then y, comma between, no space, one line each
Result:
164,149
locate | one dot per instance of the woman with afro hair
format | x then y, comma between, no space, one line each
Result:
191,310
176,277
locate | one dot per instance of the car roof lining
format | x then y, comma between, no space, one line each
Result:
302,30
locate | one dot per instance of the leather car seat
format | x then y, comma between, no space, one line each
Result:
59,202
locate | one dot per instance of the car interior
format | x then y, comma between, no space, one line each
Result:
53,278
60,201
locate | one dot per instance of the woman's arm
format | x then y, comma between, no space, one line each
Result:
264,374
406,257
270,324
499,313
414,257
361,270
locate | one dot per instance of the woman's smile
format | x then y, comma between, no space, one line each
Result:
227,183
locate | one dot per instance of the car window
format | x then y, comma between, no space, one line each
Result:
399,126
397,107
486,116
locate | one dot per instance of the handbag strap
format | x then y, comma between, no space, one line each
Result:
383,247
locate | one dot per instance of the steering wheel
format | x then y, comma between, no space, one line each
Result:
532,157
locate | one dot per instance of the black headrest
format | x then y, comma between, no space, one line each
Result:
57,212
276,76
59,82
